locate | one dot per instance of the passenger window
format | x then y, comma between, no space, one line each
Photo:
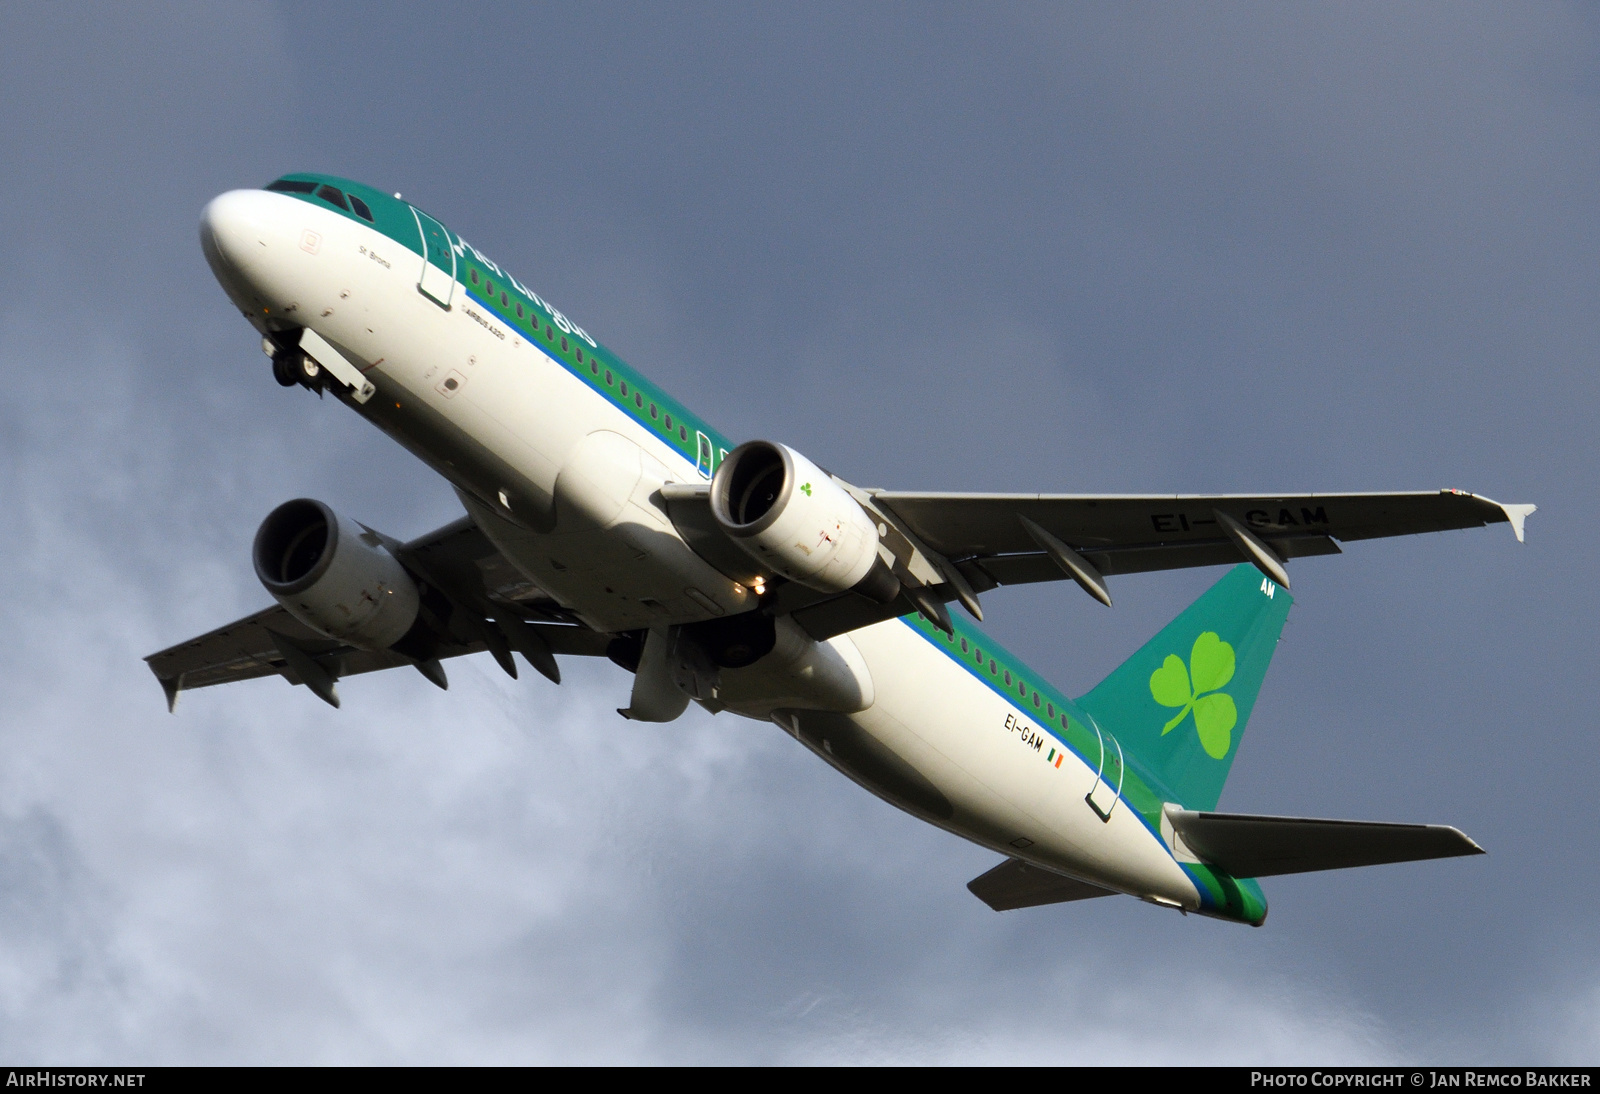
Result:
580,357
683,433
608,377
519,310
992,667
563,343
594,366
1050,710
652,410
474,275
360,207
1008,676
292,186
963,645
624,389
332,197
638,400
1036,699
669,423
505,301
489,287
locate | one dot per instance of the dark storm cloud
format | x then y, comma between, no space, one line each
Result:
1040,248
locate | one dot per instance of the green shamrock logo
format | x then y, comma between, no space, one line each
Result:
806,489
1174,685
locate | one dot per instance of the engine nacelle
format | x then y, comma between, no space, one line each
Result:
334,576
789,515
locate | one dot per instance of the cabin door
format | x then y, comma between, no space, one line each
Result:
438,282
1101,797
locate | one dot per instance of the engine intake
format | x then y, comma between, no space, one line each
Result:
791,516
334,576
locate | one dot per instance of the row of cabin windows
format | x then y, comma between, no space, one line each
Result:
1005,674
594,363
330,194
333,196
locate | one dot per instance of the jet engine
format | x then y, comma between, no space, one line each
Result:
334,576
790,515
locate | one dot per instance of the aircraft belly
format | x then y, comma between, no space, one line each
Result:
500,419
952,730
801,674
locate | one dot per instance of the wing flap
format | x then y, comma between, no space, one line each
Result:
245,650
1146,557
1253,846
1016,884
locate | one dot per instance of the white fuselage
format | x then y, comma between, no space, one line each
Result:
565,486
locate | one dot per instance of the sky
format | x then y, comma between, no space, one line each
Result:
1060,248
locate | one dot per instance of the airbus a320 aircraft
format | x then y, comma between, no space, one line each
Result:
603,518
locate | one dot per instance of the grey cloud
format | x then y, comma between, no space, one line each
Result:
1057,248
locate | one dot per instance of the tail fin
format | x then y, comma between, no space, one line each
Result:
1179,706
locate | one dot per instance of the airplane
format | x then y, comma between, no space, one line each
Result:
603,518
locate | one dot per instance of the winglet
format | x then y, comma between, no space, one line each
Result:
172,685
1518,515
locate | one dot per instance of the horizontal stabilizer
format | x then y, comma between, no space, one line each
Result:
1015,884
1247,846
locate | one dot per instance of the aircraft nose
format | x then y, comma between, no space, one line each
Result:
232,231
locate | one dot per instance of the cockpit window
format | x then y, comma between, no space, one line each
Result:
332,196
360,207
292,186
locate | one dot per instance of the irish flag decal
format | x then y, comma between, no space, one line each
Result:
1055,758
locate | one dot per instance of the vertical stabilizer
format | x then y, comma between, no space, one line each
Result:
1179,706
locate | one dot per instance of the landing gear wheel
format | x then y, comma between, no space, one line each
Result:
310,372
286,367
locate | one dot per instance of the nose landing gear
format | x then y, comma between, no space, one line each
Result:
290,364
